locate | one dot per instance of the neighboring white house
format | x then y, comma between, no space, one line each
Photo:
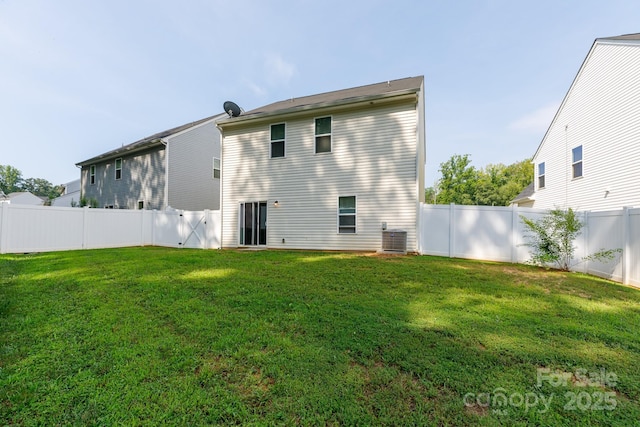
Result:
23,198
178,168
70,195
326,171
589,158
525,198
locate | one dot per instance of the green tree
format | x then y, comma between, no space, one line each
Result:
458,181
490,180
430,194
10,179
498,184
41,187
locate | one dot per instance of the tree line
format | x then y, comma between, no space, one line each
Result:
494,185
11,181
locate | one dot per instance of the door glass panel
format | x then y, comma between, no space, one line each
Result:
253,223
248,223
263,223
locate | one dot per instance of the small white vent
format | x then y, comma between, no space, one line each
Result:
394,241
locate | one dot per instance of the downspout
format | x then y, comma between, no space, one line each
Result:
81,186
164,142
221,185
566,166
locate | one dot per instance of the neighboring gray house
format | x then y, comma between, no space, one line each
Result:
177,168
70,195
327,171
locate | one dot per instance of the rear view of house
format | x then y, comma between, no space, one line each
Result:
589,157
327,171
178,168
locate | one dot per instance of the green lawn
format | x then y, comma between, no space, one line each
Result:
143,336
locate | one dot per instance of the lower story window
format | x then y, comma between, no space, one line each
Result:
347,215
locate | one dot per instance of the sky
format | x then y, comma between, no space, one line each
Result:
79,78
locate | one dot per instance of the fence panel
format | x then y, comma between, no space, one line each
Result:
166,229
40,228
483,232
603,230
112,228
434,229
25,228
632,249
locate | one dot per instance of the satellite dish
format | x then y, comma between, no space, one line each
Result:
231,108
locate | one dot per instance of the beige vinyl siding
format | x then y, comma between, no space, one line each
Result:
191,185
601,112
374,157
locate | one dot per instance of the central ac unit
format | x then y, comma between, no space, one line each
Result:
394,241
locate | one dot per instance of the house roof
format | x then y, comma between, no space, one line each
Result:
150,141
525,194
23,193
635,36
338,97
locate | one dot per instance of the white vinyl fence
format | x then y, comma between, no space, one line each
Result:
476,232
26,228
498,234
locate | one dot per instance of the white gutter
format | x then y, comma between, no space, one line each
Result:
164,142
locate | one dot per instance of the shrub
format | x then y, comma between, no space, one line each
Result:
552,240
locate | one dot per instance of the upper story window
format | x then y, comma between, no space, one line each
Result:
119,168
541,175
277,140
576,162
216,168
323,135
92,174
347,215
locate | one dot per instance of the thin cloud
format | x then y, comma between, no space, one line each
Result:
257,89
278,71
536,121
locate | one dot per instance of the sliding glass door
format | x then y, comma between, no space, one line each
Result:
253,223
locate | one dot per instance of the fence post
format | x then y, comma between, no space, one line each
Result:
585,241
514,234
141,227
4,227
85,227
452,229
626,246
153,227
207,218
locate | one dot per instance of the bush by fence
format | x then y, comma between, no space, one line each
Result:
496,233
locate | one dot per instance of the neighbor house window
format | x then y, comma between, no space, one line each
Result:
140,204
277,140
541,175
118,168
92,174
216,168
323,135
576,164
347,215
